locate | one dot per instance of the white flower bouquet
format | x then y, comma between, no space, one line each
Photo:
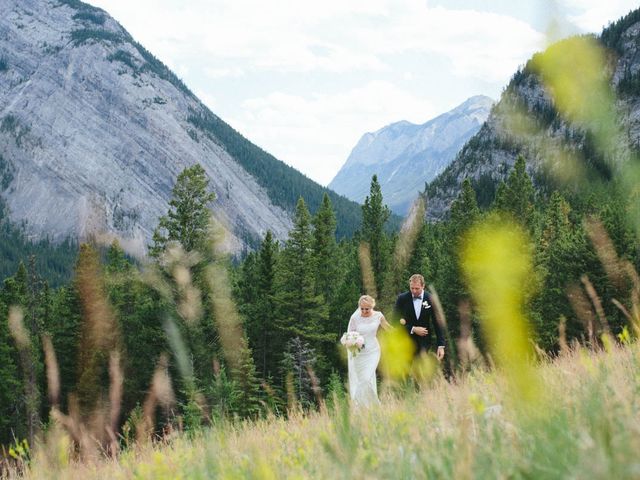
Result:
353,342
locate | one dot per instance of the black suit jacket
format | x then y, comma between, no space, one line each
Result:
427,318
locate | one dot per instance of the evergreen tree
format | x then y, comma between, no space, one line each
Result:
23,291
64,328
99,335
325,249
517,196
464,213
299,362
374,217
560,261
187,220
300,312
256,301
11,388
139,311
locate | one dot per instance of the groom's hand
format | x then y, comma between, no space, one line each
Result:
420,331
440,353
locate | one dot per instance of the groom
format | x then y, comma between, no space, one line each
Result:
416,312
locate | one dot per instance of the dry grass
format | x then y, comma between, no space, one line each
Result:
585,426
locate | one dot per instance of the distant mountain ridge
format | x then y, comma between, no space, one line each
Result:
405,156
487,157
94,131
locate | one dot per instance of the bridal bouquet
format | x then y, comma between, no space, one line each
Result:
353,342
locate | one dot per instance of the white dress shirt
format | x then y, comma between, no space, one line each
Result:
417,305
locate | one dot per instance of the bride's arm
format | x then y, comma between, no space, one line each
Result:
352,322
384,324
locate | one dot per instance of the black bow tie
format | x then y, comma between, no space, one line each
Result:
417,298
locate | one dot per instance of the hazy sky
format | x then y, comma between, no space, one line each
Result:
305,80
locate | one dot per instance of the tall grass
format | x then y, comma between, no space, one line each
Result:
464,430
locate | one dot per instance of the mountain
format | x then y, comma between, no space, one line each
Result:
545,138
405,156
94,131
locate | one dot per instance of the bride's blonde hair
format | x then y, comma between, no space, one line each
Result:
367,300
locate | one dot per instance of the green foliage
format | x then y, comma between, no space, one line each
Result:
10,383
375,215
52,261
612,35
6,176
18,130
155,66
187,220
83,35
516,197
80,6
485,188
325,249
124,57
629,85
90,16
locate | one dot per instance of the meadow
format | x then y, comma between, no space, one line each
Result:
584,423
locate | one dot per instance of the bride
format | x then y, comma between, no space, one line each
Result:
362,367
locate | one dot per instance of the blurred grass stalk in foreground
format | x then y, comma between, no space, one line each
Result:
497,263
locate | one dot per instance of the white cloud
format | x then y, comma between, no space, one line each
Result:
223,72
330,36
337,68
316,134
593,15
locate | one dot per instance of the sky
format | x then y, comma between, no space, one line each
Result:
305,79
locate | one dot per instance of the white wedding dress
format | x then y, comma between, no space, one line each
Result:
362,367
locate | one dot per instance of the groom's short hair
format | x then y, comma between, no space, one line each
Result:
416,278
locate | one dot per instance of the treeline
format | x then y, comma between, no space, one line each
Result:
196,339
52,260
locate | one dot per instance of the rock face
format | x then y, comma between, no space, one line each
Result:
405,156
545,139
94,131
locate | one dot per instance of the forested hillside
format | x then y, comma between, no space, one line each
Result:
528,120
52,261
242,340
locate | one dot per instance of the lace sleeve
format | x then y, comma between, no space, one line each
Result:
352,322
379,318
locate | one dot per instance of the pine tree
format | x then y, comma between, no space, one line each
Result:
374,217
139,311
22,291
560,261
299,362
300,312
187,220
99,331
325,250
11,416
464,213
64,328
517,196
257,304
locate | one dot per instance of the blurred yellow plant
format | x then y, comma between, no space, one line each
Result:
497,263
398,353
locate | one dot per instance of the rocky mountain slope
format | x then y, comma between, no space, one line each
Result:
405,156
525,122
94,131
